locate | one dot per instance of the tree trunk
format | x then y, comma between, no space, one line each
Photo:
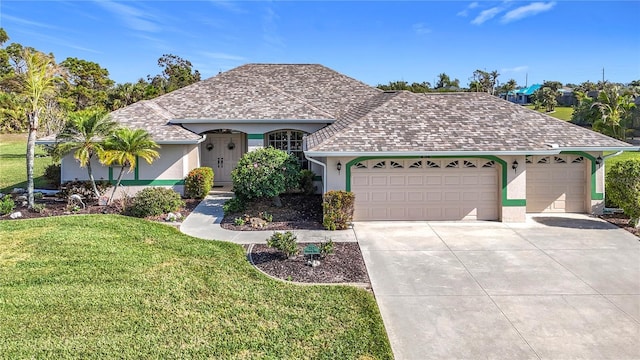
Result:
113,193
31,152
93,181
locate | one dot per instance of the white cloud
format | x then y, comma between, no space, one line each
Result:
132,17
486,15
516,69
465,11
526,11
420,29
27,22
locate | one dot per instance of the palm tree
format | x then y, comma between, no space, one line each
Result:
615,107
40,78
124,147
84,134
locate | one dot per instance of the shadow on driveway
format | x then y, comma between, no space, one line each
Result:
573,223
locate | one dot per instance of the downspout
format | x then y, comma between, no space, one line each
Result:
612,155
324,172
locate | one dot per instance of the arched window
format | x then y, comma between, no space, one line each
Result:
289,141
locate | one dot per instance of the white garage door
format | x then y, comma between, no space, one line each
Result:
556,183
425,189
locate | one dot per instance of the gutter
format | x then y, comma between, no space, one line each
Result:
612,155
250,121
551,151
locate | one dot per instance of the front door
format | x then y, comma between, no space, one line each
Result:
223,157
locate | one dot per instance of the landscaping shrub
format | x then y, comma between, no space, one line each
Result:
284,242
623,187
265,172
82,188
7,205
154,201
198,183
337,207
306,182
53,173
38,208
327,248
234,205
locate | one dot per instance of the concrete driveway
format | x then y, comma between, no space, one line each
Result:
556,287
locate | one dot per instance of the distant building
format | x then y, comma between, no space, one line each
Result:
522,96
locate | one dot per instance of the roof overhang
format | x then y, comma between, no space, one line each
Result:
252,121
463,153
159,142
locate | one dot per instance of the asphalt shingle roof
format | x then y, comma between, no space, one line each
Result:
406,121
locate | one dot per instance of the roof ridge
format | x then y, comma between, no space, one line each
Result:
163,112
351,116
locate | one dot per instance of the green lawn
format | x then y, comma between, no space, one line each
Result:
13,166
561,112
107,286
627,155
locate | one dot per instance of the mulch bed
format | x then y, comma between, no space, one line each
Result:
57,207
298,211
345,265
621,221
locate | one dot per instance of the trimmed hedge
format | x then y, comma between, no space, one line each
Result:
337,207
154,201
198,183
623,187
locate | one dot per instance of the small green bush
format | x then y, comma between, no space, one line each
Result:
265,172
154,201
306,182
38,208
286,242
234,205
7,205
239,221
38,195
82,188
198,183
326,248
266,216
337,207
52,174
623,187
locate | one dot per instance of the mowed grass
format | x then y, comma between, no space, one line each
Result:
13,163
107,286
627,155
561,112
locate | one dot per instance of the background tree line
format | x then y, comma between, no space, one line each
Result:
80,85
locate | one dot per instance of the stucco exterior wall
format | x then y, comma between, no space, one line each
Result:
169,166
71,170
516,189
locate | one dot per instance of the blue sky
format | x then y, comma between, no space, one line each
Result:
373,41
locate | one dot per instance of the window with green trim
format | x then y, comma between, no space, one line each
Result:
289,141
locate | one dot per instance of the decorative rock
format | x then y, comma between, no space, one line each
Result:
21,198
16,215
171,217
18,191
1,195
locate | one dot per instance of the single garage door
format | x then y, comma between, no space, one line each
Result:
425,189
556,183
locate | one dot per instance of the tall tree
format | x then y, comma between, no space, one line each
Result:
124,147
84,134
39,82
87,83
615,108
484,81
176,73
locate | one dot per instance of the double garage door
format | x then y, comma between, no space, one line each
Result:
425,189
462,189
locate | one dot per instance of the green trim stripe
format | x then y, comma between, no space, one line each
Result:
255,136
594,168
505,200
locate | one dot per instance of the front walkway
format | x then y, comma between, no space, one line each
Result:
204,223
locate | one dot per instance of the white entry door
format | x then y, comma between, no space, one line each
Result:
425,189
223,156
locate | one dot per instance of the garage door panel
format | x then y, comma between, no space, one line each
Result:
379,196
378,180
451,196
397,196
395,180
360,180
433,180
415,196
470,180
434,196
470,196
415,180
452,180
